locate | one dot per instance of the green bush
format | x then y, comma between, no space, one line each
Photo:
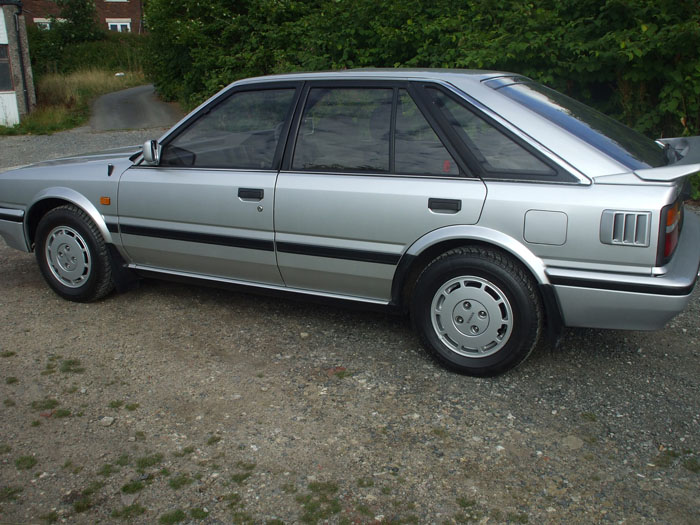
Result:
112,52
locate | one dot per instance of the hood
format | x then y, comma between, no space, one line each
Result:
106,155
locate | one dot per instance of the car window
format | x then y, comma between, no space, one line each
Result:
498,154
345,129
417,148
240,133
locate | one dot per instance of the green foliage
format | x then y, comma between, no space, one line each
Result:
636,60
113,52
79,21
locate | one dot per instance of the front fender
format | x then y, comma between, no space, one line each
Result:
73,197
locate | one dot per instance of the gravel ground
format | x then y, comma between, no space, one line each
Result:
174,402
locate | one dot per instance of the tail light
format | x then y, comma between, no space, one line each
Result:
669,231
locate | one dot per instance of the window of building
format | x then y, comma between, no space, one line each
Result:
42,23
121,25
5,74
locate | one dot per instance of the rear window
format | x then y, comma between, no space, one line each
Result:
625,145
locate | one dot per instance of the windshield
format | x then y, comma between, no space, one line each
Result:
625,145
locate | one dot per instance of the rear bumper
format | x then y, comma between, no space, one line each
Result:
12,228
631,302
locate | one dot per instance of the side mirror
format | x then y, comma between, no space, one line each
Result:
151,152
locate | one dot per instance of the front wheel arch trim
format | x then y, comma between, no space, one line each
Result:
63,196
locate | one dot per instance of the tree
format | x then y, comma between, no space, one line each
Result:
79,22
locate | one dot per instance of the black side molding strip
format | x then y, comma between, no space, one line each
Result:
13,217
338,253
622,287
112,227
203,238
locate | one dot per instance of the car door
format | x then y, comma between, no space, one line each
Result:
364,177
207,207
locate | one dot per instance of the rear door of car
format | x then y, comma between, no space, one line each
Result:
366,172
207,208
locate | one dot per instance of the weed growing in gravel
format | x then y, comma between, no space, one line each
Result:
130,512
240,477
440,432
122,460
365,482
4,448
49,517
11,380
245,465
386,490
9,493
132,487
515,517
7,353
36,423
164,472
289,488
145,462
183,452
69,465
140,435
62,412
175,516
9,403
179,481
44,404
589,416
200,514
84,501
25,462
107,470
666,458
116,404
692,465
72,390
71,366
213,440
319,503
132,406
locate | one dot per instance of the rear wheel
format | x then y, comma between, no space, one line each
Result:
72,255
477,311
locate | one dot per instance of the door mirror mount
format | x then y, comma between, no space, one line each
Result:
151,152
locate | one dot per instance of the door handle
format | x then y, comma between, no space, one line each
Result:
251,194
445,205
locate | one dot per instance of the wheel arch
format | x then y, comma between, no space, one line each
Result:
431,245
50,198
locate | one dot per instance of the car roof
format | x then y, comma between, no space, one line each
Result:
459,75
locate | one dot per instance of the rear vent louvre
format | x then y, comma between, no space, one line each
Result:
626,228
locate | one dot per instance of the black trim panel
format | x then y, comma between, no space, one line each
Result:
622,287
338,253
112,227
10,217
203,238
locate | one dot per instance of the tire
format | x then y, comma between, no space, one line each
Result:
72,255
477,311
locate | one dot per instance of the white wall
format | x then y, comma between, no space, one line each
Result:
3,29
9,113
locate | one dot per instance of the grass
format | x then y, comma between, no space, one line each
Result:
9,493
198,513
71,366
11,380
44,404
132,406
213,440
122,460
7,353
145,462
132,487
175,516
319,503
62,412
107,470
25,462
9,402
116,404
183,452
63,101
130,512
179,481
49,517
5,448
692,464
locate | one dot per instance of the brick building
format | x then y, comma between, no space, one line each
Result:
115,15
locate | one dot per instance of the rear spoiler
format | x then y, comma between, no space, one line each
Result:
687,150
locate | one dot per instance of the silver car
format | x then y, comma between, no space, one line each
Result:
490,208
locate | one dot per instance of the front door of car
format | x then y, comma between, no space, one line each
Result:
364,177
207,208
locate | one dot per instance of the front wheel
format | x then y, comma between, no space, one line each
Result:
72,255
477,311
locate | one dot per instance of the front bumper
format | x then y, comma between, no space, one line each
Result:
12,228
631,302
